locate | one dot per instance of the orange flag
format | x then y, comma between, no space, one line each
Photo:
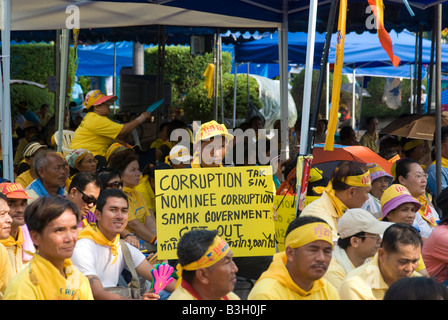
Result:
386,42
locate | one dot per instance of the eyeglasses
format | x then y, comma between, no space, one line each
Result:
115,184
421,175
376,237
87,199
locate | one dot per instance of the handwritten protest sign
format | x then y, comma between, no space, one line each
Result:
286,212
236,201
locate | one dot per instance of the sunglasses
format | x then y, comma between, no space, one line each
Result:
115,184
87,199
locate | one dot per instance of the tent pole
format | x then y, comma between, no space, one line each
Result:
438,19
419,73
283,64
307,88
327,105
411,77
354,99
115,76
8,161
234,94
431,69
324,64
65,37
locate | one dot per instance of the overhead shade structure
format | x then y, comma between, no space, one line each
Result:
28,15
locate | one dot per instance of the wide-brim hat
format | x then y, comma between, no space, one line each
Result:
395,196
96,97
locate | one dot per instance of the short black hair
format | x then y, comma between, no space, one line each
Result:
82,179
192,246
400,233
109,193
44,209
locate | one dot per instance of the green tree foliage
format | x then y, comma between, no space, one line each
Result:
35,62
185,72
198,106
182,70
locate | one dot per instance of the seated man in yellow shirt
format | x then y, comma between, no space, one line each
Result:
359,239
296,273
97,132
397,258
50,275
19,239
206,270
6,271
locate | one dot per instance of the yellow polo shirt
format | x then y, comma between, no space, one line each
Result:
40,280
148,194
137,206
335,273
25,179
365,283
6,272
95,133
277,284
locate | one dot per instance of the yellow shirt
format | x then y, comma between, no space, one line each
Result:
15,252
277,284
25,179
148,194
6,272
186,292
137,206
370,142
40,280
335,273
365,283
323,208
95,133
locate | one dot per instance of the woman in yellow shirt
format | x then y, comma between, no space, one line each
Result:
97,132
141,219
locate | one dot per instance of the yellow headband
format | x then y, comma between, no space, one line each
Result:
309,233
362,180
217,250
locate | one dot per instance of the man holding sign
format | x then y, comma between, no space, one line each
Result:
235,201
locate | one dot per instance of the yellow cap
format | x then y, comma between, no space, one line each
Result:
211,129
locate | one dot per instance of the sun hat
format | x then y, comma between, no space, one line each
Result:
31,148
75,156
95,98
211,129
358,220
394,196
13,190
376,172
115,147
180,154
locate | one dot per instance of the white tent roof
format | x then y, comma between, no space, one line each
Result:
53,14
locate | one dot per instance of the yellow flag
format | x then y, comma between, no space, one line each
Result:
209,75
337,76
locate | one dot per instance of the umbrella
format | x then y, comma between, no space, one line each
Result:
414,126
328,160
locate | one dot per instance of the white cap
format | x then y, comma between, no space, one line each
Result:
358,220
